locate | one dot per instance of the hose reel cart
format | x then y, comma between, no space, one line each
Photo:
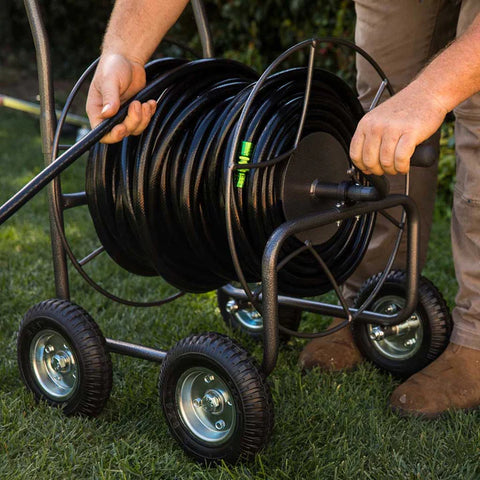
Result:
238,178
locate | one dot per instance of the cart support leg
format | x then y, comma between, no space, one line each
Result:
47,126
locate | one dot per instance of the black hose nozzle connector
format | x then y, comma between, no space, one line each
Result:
344,191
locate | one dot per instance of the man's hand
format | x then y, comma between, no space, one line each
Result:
386,137
117,79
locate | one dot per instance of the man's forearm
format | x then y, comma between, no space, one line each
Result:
386,136
136,27
454,75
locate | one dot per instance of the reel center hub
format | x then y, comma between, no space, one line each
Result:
318,156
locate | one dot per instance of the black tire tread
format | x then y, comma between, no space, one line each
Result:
90,344
248,378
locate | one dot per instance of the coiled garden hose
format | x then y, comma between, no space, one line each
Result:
158,200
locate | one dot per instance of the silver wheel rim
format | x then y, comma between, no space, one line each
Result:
205,405
54,365
248,317
400,346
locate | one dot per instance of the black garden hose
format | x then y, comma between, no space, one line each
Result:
158,200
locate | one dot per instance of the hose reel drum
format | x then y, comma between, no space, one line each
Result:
158,200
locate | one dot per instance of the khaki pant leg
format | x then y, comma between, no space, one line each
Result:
401,36
466,210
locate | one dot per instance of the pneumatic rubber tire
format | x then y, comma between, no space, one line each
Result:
63,359
404,354
216,401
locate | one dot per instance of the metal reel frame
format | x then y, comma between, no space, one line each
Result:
268,301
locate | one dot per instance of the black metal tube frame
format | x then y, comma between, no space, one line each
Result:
313,306
271,259
47,128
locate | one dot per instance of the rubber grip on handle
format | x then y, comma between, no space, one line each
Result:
424,155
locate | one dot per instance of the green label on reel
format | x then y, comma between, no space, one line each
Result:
243,159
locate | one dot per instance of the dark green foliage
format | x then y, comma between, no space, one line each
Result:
75,32
254,32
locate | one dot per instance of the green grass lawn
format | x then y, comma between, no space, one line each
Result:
328,426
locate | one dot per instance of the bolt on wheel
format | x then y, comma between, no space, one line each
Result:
247,317
410,346
241,316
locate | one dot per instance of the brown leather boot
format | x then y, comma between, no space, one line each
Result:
333,353
452,381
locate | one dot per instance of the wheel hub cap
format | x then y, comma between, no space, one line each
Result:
205,404
403,344
53,365
61,362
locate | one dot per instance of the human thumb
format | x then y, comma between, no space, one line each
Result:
110,99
